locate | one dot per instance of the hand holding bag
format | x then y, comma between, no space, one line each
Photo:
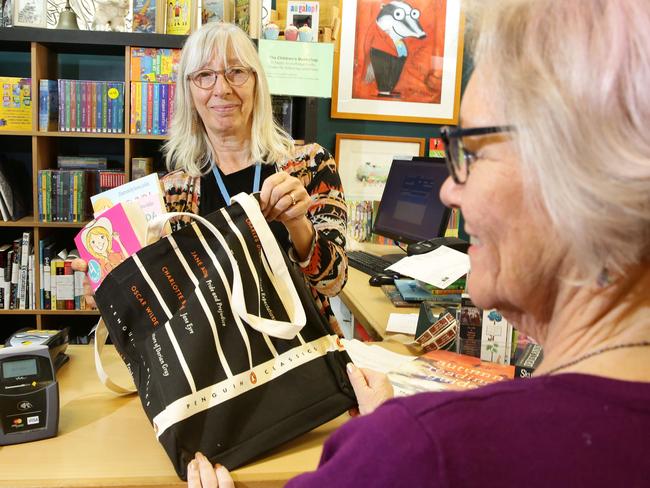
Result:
221,335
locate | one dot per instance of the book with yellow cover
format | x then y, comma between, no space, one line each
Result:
180,17
16,106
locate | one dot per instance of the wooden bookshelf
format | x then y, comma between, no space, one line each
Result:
53,54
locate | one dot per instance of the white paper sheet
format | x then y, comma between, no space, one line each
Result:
404,323
374,357
440,267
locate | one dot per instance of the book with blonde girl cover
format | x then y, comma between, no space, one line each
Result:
105,242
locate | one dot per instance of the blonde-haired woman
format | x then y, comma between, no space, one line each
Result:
551,168
223,140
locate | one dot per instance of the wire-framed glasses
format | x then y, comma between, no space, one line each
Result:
457,157
207,78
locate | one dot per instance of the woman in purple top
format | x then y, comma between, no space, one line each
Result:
551,170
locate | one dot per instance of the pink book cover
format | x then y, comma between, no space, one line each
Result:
105,242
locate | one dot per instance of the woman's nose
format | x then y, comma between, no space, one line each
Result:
450,193
221,86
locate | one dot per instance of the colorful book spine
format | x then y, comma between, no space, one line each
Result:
78,104
93,106
48,105
150,108
69,103
155,123
164,103
104,106
143,108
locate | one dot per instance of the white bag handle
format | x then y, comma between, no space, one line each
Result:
285,288
101,334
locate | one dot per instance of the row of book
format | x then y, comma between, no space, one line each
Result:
64,193
157,65
61,286
17,274
81,106
152,107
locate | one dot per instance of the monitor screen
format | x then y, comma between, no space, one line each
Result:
410,209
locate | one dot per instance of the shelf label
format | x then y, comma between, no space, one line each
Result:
294,68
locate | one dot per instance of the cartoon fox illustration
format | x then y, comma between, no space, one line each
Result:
385,50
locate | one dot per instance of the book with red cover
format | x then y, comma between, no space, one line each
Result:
445,370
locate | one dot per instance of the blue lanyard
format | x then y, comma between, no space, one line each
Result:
222,186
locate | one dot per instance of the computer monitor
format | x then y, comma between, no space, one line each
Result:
410,209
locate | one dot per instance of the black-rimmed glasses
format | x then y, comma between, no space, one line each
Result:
207,78
457,157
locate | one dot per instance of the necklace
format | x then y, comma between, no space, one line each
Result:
596,353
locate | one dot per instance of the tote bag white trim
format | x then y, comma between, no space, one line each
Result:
230,388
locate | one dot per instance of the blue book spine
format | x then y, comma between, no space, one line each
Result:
164,100
156,109
143,111
43,96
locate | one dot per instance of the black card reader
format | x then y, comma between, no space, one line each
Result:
29,395
55,340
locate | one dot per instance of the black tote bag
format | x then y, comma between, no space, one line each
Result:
221,335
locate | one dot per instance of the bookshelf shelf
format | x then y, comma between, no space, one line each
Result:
93,313
88,135
24,222
78,55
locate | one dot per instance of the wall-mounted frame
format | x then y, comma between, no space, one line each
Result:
414,78
363,161
30,13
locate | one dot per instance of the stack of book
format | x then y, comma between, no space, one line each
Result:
154,73
17,274
445,370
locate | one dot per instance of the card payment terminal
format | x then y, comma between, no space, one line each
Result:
29,395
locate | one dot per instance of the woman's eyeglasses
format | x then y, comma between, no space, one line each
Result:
457,157
207,78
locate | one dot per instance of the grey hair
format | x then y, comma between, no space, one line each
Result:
188,146
573,78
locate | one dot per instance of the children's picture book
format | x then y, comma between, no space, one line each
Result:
217,11
469,318
146,192
16,105
105,242
142,200
302,14
439,370
179,17
496,337
248,16
144,16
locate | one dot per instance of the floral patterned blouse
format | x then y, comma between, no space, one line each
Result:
325,268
